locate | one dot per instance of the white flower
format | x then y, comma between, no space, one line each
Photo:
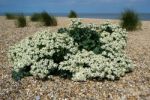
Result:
85,50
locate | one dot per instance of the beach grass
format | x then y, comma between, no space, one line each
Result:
35,17
10,15
72,14
21,21
130,20
48,20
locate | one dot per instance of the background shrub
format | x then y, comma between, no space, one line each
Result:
72,14
11,16
130,20
36,17
21,21
48,20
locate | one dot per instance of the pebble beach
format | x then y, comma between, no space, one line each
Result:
133,86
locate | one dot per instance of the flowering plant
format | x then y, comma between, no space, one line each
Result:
86,51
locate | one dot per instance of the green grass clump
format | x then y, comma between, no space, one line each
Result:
21,21
44,18
48,20
130,20
36,17
72,14
11,16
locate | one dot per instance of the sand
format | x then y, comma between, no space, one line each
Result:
133,86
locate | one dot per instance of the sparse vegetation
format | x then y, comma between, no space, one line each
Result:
36,17
130,20
10,15
21,21
72,14
48,20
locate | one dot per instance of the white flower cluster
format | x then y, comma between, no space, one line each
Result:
39,54
86,50
87,65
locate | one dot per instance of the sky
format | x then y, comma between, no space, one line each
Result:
80,6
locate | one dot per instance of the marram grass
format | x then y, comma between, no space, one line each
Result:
72,14
130,20
82,51
21,21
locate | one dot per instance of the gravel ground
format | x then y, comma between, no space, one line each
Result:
133,86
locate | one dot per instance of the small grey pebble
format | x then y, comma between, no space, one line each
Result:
37,98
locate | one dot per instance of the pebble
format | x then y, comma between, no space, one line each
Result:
138,48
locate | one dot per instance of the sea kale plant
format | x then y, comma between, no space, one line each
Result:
82,51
